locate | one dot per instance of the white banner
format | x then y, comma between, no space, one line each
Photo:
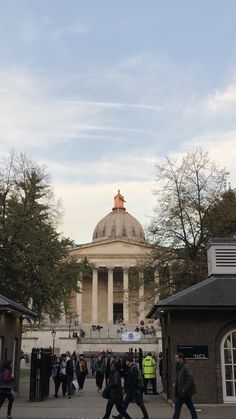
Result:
130,336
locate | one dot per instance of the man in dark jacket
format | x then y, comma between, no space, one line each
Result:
184,387
115,392
133,389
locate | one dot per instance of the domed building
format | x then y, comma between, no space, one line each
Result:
118,242
113,294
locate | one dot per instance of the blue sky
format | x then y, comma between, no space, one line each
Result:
99,91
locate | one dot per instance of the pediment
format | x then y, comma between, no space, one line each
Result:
109,247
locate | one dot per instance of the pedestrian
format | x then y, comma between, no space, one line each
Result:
56,361
69,373
184,387
99,372
81,370
161,366
6,384
108,362
149,372
133,390
115,392
92,365
63,376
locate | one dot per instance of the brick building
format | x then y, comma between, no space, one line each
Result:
201,322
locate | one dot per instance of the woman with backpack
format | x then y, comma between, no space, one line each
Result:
6,384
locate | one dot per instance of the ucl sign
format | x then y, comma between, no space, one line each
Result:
194,352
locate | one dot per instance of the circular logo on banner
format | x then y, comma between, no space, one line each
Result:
131,336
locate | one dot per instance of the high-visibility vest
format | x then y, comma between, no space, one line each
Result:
149,367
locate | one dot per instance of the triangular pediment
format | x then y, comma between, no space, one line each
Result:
110,249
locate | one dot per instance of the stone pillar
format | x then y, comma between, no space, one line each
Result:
79,300
126,295
95,297
141,297
110,296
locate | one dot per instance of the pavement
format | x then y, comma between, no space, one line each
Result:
90,405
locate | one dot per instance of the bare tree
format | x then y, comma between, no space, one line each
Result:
187,192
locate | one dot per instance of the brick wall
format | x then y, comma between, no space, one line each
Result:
199,327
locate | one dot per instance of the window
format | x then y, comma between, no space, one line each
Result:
228,362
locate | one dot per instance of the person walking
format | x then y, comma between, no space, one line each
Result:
62,373
6,384
56,361
149,372
108,362
133,389
81,370
114,389
184,387
92,364
99,372
69,373
161,366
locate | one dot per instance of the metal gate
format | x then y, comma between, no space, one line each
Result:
40,372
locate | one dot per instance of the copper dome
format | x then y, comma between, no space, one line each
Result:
118,223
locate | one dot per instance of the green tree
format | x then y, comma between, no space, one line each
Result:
192,206
35,268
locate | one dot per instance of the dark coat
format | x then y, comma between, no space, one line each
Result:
184,386
133,385
69,369
114,385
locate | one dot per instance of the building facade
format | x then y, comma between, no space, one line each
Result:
114,294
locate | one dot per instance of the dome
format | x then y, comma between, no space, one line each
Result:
118,223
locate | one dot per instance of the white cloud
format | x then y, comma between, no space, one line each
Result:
222,100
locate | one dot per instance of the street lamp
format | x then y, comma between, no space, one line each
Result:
53,333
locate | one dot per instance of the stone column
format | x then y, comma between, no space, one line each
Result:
126,295
95,297
141,297
79,300
110,296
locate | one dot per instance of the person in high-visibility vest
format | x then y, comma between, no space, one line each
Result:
149,372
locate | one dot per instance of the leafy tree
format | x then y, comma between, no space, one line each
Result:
35,268
192,206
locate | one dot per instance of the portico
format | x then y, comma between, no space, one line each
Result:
108,297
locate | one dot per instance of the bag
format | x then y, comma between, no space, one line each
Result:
75,384
106,393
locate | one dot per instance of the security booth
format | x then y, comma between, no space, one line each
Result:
201,323
11,317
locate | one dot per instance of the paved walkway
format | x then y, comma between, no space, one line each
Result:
91,405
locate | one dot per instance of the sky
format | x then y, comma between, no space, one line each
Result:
99,91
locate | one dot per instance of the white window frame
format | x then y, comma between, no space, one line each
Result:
226,399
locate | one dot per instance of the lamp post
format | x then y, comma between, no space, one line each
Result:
53,333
